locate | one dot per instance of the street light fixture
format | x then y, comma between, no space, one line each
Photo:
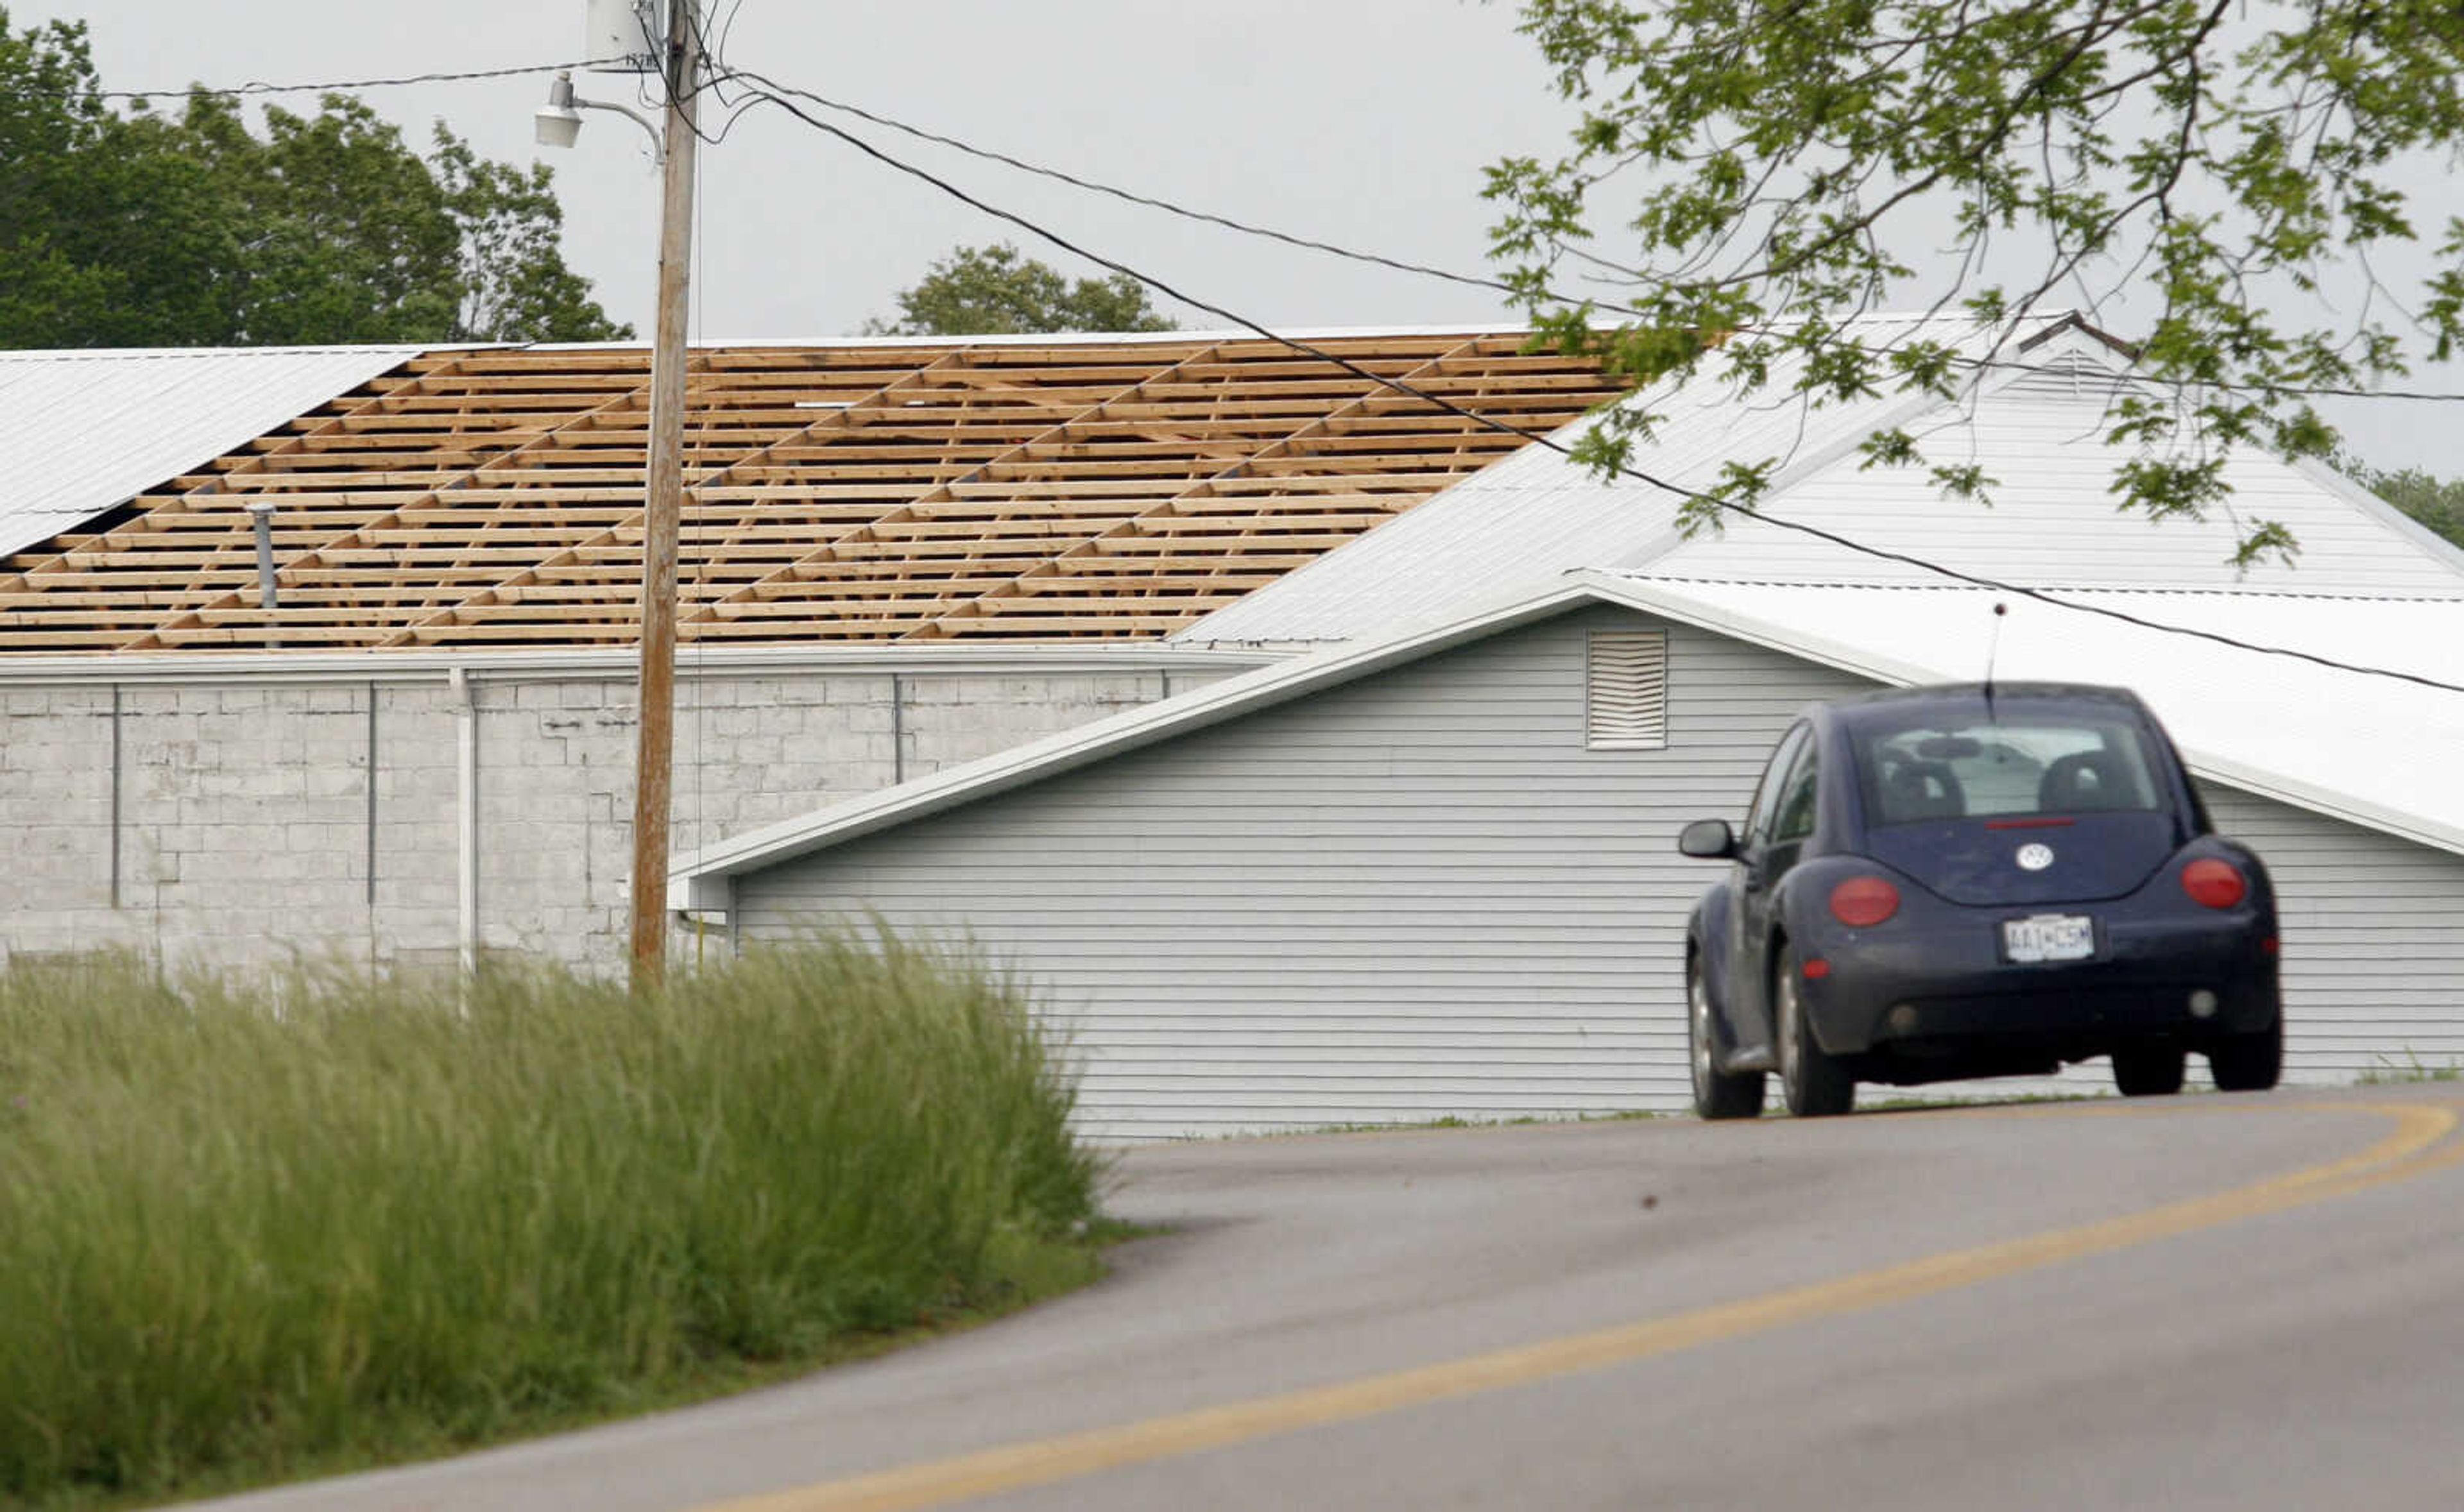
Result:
558,122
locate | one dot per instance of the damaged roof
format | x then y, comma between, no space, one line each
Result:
1019,489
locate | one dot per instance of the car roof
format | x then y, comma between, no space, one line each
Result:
1893,705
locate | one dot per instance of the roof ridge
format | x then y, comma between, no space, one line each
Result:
2042,587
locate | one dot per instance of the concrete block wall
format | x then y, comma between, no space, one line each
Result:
228,819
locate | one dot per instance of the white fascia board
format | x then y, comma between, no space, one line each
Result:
2334,805
1128,731
1645,597
98,669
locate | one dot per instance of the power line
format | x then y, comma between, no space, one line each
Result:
1131,196
1424,270
261,87
1542,439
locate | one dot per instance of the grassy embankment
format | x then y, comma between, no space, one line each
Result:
250,1233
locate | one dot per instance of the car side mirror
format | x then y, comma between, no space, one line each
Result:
1708,839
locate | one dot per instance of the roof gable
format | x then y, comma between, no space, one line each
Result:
2055,521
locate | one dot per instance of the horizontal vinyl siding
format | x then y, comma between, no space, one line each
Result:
2373,939
1414,896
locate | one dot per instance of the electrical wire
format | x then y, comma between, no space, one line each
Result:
1424,270
1129,196
261,87
1551,443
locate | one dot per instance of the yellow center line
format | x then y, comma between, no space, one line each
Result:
2406,1152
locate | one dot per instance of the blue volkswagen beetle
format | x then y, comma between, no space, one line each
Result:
1939,883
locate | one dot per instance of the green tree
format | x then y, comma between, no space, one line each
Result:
189,229
992,291
2435,502
1757,173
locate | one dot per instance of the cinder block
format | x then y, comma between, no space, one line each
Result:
845,692
335,782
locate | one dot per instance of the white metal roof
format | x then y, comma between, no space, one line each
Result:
2372,749
2376,751
82,432
2035,427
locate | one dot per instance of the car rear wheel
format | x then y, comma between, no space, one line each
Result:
2248,1062
2147,1070
1812,1082
1717,1093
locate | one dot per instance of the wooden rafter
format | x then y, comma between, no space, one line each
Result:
1083,487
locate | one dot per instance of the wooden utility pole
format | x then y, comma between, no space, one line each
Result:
654,757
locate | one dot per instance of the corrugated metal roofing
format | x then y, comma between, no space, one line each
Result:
2370,750
2035,430
82,432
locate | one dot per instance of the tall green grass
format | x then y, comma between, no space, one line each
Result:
262,1225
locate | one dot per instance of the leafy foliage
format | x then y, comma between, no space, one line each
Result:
177,230
992,291
2435,502
1773,165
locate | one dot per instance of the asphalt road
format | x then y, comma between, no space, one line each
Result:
2203,1302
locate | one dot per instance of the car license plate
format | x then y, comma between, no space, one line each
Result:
2049,937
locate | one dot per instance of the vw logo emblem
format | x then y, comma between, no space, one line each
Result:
2036,858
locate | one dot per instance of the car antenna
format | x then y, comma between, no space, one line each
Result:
1992,648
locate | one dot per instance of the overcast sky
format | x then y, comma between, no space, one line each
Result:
1362,122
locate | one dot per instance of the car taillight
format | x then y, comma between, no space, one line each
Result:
2214,884
1863,902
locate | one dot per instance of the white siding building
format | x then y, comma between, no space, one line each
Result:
1395,880
1401,876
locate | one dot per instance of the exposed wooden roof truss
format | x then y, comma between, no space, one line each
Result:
1084,487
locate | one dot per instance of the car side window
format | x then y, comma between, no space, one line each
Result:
1758,818
1793,814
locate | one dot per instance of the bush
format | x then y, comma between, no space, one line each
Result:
262,1227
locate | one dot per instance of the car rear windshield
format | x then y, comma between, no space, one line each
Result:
2005,766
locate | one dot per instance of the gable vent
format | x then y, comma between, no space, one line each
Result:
1627,708
2067,375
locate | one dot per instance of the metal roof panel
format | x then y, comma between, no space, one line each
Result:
82,432
2034,423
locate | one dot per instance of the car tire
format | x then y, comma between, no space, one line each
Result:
2248,1062
1812,1081
1717,1093
2149,1070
